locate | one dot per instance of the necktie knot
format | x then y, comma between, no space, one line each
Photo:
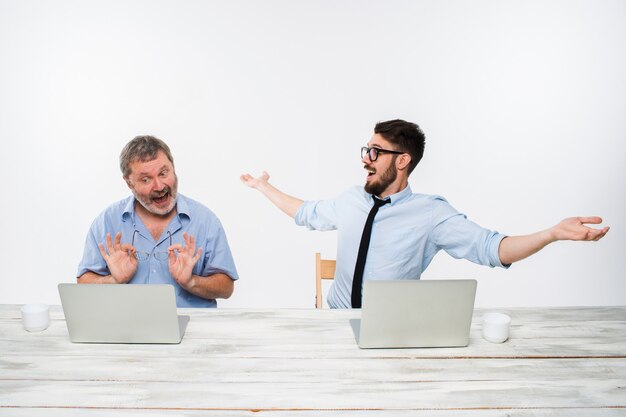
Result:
379,203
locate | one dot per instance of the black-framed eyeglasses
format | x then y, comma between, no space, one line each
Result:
372,153
143,256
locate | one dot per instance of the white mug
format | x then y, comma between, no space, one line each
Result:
35,317
496,327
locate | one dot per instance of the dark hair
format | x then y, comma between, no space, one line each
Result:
142,148
407,136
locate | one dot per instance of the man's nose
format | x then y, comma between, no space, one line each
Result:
158,184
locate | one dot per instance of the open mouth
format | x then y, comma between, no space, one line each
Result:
370,171
162,199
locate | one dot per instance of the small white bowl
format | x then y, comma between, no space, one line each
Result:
496,327
35,317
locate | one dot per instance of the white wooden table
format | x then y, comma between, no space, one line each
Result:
558,362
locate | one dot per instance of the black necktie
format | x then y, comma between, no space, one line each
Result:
357,281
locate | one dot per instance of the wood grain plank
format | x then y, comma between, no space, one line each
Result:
363,395
202,369
511,412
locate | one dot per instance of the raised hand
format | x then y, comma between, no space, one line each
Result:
573,228
182,259
253,182
120,258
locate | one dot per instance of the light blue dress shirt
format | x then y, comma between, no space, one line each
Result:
407,233
191,217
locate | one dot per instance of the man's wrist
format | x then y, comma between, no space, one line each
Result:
551,235
190,283
113,280
263,187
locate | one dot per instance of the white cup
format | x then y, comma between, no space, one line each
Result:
496,327
35,317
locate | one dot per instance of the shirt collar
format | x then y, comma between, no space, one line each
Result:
182,209
395,198
401,195
129,210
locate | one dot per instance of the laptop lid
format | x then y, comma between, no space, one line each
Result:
416,313
109,313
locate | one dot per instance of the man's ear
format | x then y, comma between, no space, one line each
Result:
127,182
403,161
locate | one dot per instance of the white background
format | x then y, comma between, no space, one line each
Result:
523,104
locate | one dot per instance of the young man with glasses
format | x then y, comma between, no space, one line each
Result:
156,230
403,231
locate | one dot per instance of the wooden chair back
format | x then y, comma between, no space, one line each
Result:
324,269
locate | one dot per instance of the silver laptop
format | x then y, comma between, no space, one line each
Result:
125,313
415,313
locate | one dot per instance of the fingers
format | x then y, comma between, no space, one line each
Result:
109,244
176,247
171,254
127,247
198,255
113,246
251,181
105,256
189,248
601,234
118,239
591,234
189,240
247,179
590,220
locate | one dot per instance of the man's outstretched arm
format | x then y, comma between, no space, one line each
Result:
516,248
288,204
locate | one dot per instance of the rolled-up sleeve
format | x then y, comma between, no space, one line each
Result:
217,255
462,238
92,260
317,215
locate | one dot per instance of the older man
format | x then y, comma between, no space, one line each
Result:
160,236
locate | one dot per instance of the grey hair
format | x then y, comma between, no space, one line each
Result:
142,148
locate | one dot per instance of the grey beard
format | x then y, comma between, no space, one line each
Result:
152,210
